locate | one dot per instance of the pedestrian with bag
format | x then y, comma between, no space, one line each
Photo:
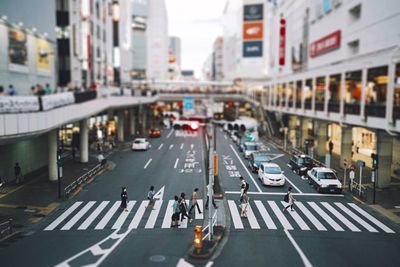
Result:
17,172
175,212
124,199
183,208
213,202
151,198
244,204
194,201
289,199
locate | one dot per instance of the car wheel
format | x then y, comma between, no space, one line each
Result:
318,189
309,181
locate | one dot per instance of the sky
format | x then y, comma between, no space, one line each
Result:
197,23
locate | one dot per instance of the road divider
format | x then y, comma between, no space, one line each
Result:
147,164
176,163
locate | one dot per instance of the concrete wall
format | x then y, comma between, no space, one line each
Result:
31,155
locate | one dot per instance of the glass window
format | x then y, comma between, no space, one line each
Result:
278,94
377,85
397,86
353,87
290,91
273,170
334,88
308,93
283,88
267,95
299,94
320,93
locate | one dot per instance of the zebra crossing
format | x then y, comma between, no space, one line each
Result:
94,215
307,216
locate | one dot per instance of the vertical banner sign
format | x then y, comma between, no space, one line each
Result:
282,42
17,50
43,55
188,106
253,30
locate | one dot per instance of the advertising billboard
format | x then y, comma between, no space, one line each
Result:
253,12
253,49
253,31
325,44
188,106
43,51
17,48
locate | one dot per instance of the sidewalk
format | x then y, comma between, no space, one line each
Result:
387,200
37,196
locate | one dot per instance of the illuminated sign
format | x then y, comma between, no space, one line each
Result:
325,44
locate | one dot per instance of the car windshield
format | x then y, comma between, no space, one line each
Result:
273,170
326,175
305,161
251,147
138,142
261,158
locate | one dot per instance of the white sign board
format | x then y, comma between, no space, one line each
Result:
15,104
352,175
57,100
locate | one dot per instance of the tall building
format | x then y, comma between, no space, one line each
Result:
207,68
217,60
139,43
174,58
157,40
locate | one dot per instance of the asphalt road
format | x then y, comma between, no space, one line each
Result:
324,230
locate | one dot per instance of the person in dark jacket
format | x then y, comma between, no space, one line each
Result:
124,198
17,172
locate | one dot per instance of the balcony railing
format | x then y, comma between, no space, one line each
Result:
334,107
352,108
319,105
375,110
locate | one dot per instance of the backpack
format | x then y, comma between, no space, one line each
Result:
247,186
286,198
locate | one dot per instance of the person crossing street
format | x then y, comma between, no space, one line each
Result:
194,201
183,208
290,199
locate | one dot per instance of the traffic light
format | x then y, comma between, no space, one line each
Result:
198,237
58,155
375,161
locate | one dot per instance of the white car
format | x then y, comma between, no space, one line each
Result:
249,148
140,144
271,174
324,180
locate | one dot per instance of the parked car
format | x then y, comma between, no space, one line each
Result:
256,159
324,180
301,164
234,135
271,174
249,147
140,144
154,133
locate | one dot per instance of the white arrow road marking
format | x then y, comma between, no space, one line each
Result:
160,194
183,263
147,164
160,146
182,145
171,146
191,146
176,163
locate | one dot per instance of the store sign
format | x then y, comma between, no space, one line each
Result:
188,106
57,100
15,104
282,42
253,49
325,44
43,55
253,12
253,31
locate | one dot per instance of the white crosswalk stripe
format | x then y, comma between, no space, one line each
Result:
307,216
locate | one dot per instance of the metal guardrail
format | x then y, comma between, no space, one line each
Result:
214,222
81,180
6,228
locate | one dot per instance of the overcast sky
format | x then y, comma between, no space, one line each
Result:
197,23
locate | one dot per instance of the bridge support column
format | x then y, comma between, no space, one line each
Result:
84,140
384,150
132,120
322,135
303,131
346,145
53,146
144,119
120,125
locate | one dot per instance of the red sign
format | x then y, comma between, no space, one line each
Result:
253,31
325,44
282,42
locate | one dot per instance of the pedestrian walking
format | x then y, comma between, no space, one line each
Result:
213,202
151,198
11,90
183,208
47,89
175,212
243,186
124,198
194,201
330,144
1,90
244,204
17,172
289,199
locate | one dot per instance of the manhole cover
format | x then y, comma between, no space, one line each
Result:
157,258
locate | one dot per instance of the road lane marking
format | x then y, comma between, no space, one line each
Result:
153,215
295,187
124,214
237,222
282,194
171,146
182,145
160,146
168,215
311,217
147,164
77,216
264,214
138,216
278,213
244,166
169,134
340,217
199,216
176,163
372,219
191,146
63,216
325,216
183,263
93,216
303,257
108,216
356,217
300,222
252,218
225,136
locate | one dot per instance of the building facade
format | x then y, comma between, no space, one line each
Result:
217,60
139,43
